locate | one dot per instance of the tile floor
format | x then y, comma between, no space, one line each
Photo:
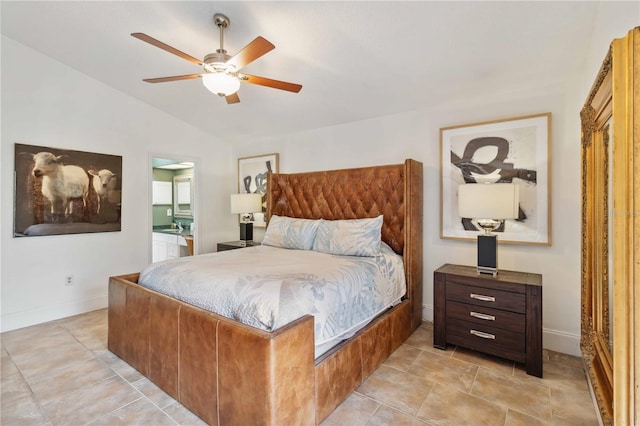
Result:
60,373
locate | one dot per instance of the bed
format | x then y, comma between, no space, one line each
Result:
228,372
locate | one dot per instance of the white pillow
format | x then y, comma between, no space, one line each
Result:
351,237
291,233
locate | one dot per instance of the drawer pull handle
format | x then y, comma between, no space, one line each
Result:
482,316
482,297
483,335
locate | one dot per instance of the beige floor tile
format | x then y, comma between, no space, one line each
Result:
558,375
182,416
386,416
140,413
95,344
422,339
573,408
53,385
82,323
120,367
515,418
398,389
484,360
523,395
92,328
154,393
446,406
566,359
56,357
403,357
91,403
354,411
35,339
23,411
7,366
445,370
13,387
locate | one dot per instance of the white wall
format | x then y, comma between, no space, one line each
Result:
46,103
391,139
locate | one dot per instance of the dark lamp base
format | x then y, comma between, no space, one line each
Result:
246,231
487,254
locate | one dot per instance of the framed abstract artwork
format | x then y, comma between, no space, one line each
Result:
514,150
61,191
252,178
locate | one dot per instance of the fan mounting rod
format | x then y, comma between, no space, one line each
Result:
222,22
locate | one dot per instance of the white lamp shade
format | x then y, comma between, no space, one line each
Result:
246,203
488,201
221,83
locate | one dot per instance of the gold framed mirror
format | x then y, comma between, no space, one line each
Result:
611,231
596,120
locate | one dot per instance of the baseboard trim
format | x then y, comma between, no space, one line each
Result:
555,340
427,313
21,319
561,341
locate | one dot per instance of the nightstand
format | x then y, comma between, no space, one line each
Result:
499,315
232,245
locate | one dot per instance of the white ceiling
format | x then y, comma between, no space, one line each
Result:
355,60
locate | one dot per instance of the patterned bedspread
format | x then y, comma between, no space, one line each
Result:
268,287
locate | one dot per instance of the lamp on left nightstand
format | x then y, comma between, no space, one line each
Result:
245,205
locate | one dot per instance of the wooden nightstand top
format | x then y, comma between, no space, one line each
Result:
503,275
232,245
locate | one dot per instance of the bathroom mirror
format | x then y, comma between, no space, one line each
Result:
183,196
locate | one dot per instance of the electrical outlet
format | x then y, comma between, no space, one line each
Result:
68,280
169,212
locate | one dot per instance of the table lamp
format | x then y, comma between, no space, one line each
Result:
245,205
489,204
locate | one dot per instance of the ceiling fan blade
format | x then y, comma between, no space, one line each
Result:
174,78
166,47
232,98
251,52
276,84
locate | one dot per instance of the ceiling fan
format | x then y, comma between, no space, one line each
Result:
222,71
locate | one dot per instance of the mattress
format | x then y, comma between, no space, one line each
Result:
268,287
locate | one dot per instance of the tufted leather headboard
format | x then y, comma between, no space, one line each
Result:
345,194
394,191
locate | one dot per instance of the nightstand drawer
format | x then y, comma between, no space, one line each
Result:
487,339
486,316
488,297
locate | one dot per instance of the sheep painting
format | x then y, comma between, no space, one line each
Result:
65,192
61,184
104,183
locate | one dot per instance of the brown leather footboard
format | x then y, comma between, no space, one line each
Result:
225,372
228,373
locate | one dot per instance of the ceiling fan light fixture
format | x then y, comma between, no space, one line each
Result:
221,83
220,70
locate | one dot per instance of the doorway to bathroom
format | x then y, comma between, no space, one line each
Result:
173,208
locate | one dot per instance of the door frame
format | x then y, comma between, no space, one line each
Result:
196,198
